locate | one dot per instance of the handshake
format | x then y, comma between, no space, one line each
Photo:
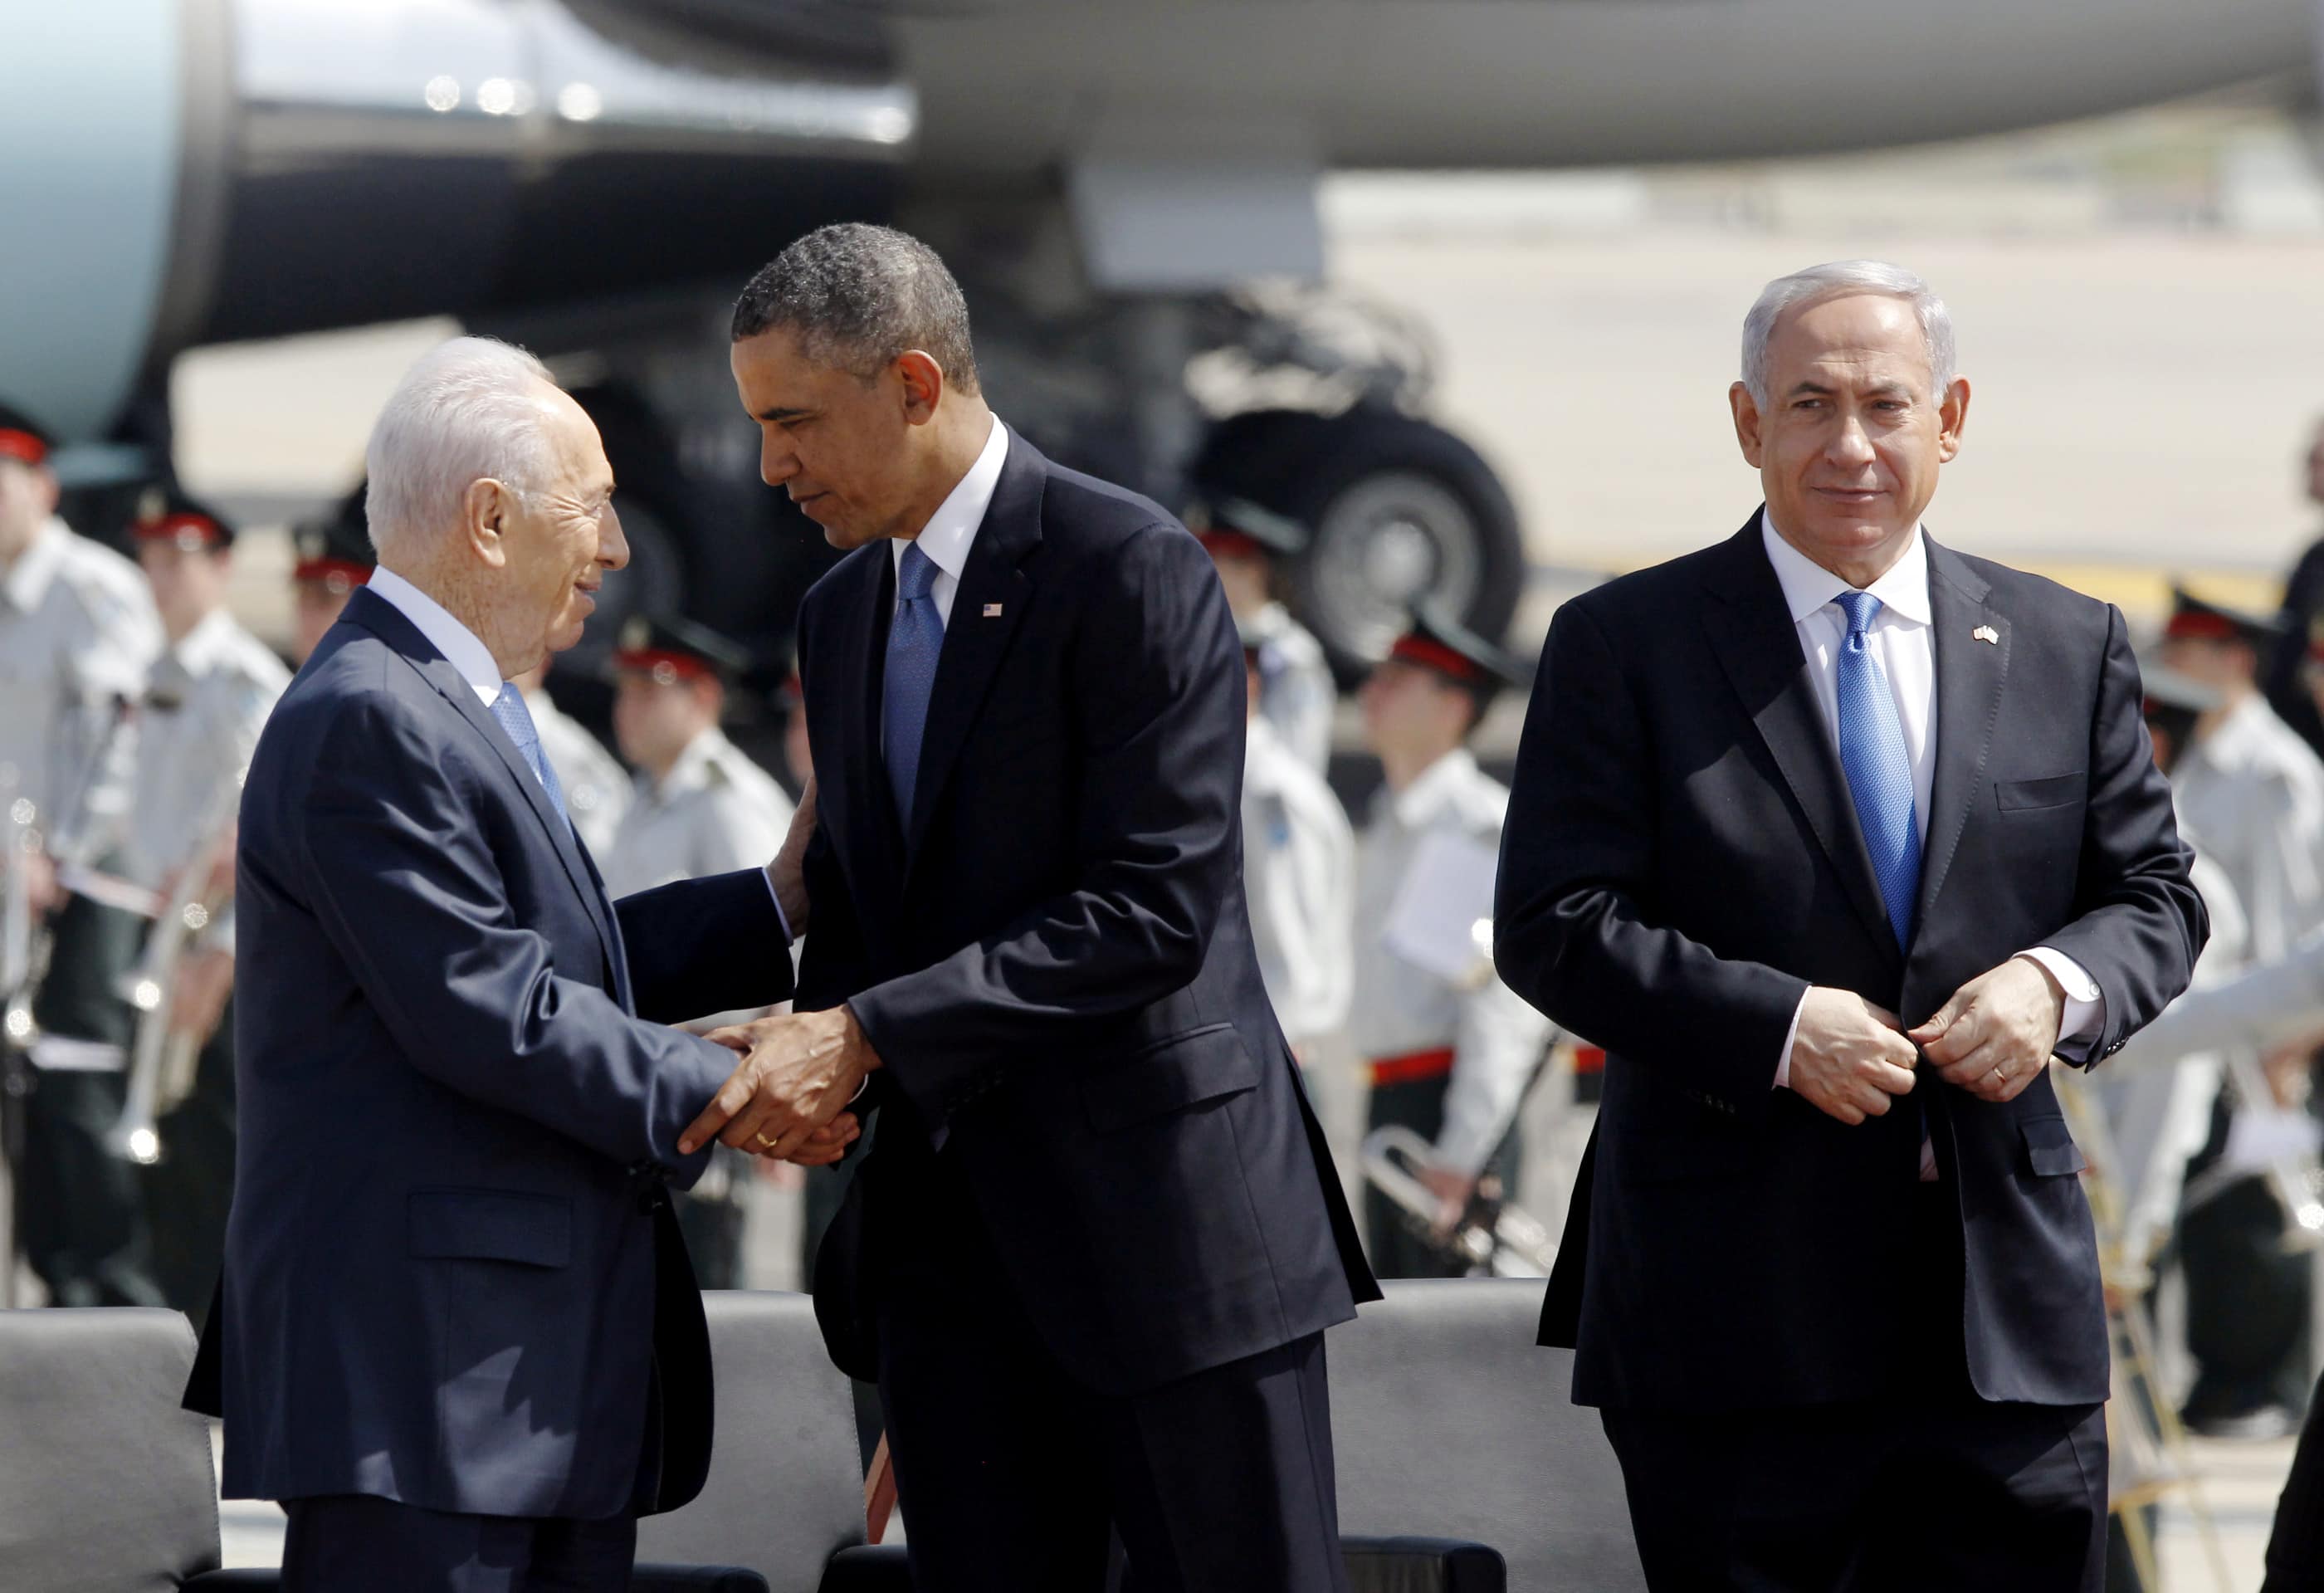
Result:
787,1098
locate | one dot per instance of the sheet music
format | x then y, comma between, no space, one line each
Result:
1445,895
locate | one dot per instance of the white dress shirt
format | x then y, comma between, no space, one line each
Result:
951,531
1901,639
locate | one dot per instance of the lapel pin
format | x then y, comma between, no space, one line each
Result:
1987,634
992,611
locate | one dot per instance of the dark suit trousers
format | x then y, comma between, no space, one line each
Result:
354,1543
1928,1490
1008,1474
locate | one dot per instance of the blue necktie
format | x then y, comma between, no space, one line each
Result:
915,638
1879,770
516,719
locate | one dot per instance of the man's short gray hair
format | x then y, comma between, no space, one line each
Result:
859,295
1838,278
469,409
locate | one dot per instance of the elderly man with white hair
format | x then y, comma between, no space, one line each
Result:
457,1336
1832,836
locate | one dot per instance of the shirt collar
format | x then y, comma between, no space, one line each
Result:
951,531
36,566
1417,803
206,644
1808,586
458,645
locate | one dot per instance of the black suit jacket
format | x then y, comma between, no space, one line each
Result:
451,1278
1052,958
1683,860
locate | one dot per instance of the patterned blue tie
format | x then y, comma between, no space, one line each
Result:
1879,770
915,638
516,719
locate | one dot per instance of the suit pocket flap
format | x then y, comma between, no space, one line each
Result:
2055,791
2050,1147
1198,1066
491,1225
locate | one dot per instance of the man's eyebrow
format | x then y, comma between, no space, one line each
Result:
778,416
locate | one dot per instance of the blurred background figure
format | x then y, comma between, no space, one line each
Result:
1297,693
205,700
77,633
2250,795
596,786
1451,1048
698,807
2289,691
1298,874
332,558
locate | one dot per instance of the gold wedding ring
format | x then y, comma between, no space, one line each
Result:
763,1141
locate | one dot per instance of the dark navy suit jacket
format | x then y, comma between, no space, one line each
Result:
1052,955
1683,860
459,1101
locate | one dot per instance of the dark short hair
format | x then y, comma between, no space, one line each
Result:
859,295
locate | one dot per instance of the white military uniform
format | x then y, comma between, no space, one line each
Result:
77,633
1296,693
2252,794
205,700
715,811
1298,872
1400,1007
597,787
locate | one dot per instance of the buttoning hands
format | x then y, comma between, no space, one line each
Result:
1995,1036
1849,1057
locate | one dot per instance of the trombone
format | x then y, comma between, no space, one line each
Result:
164,1055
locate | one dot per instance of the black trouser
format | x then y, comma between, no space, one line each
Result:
2247,1296
189,1190
82,1209
2295,1549
352,1544
1930,1490
1396,1250
1010,1474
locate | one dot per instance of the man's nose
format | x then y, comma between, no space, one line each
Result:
777,463
1850,443
612,547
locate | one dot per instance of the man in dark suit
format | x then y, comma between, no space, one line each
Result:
457,1334
1832,835
1091,1257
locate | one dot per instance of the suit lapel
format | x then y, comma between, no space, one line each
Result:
384,620
1751,631
994,593
1970,675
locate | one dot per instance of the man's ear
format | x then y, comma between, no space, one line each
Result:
484,510
1746,410
923,381
1952,419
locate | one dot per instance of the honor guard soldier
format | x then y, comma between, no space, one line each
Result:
1452,1048
1297,692
597,787
2250,793
205,700
334,558
77,633
1298,877
698,807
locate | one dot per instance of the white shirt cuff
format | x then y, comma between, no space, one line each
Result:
1791,1036
768,874
2085,1016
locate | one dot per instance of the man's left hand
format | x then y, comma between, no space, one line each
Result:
1452,1188
797,1072
1995,1036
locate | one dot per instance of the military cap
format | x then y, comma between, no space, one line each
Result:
670,647
1238,528
1435,642
335,551
21,438
166,514
2193,619
2168,691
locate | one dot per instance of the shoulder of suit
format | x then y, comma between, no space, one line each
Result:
1079,510
2012,588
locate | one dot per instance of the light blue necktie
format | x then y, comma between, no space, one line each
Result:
1879,769
516,719
915,638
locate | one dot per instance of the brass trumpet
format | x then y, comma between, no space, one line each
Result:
1490,1237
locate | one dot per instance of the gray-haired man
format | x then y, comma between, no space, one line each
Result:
1831,837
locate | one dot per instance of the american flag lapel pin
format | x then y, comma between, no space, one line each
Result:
1987,634
992,611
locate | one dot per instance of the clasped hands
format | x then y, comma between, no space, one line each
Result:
1851,1060
787,1098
